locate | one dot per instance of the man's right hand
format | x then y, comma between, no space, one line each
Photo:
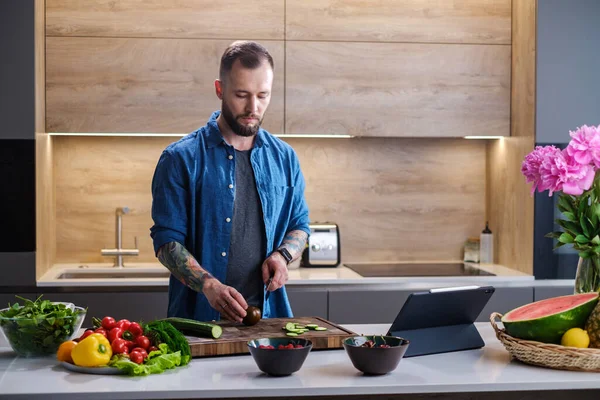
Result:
225,299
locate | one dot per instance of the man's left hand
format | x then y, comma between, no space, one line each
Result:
275,266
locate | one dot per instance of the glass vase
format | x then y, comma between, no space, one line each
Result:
587,278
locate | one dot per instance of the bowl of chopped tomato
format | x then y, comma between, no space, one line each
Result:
279,356
375,355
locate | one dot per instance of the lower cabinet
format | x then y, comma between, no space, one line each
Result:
505,299
382,306
365,306
541,293
308,302
137,306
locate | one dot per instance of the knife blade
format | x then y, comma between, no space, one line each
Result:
268,287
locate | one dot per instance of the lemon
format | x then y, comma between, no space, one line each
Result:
575,337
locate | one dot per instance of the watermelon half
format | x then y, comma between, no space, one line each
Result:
547,320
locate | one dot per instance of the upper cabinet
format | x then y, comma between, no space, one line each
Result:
397,89
398,67
149,66
366,68
201,19
98,84
415,21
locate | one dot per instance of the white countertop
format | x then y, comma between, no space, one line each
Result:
324,373
340,275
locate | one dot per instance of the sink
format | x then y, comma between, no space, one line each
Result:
115,274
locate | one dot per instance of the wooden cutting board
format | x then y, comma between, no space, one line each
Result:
235,336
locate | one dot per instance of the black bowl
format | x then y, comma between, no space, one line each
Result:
375,360
279,362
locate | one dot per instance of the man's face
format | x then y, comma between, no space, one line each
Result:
245,96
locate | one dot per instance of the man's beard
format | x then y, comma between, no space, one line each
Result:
236,127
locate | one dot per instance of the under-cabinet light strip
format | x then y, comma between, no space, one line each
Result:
483,137
184,134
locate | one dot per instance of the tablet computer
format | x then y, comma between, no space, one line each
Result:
441,320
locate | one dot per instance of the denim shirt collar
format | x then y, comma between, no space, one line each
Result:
214,136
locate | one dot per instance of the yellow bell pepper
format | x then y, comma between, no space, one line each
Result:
93,351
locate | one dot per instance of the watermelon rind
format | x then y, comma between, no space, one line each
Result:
550,328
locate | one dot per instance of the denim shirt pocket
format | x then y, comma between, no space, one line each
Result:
278,201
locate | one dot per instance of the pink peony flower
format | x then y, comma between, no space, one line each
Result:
562,171
533,162
585,145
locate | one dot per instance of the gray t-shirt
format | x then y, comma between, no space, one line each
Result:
248,238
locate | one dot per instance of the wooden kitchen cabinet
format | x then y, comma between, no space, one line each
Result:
110,84
397,89
382,306
144,306
308,302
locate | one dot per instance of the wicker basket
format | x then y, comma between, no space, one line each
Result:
547,355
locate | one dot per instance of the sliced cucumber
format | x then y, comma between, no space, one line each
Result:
312,326
292,334
290,326
320,328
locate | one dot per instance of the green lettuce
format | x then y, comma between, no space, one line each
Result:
157,362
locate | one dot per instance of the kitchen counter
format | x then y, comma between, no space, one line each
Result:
325,373
297,276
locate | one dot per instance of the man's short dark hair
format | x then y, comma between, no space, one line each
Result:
250,54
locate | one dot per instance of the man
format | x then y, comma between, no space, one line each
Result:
228,202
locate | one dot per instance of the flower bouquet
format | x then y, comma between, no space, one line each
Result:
573,172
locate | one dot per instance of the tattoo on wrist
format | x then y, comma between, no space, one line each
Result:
294,243
183,265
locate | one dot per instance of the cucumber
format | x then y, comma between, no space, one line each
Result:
290,326
291,334
312,326
195,328
298,326
320,328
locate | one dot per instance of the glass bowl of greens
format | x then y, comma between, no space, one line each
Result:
37,328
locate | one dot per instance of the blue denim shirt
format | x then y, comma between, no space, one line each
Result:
193,191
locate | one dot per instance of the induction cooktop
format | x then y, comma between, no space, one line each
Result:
416,269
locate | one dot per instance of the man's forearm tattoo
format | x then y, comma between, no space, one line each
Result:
183,265
294,242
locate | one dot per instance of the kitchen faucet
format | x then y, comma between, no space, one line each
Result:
119,251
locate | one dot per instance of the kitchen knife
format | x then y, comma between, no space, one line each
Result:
268,287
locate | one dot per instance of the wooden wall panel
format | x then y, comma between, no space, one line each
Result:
509,202
432,21
394,199
94,176
140,85
391,89
44,172
223,19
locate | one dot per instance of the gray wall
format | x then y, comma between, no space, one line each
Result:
568,68
17,69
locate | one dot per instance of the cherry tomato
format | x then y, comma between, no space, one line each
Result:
135,329
108,323
136,357
143,342
115,333
101,331
140,350
87,333
152,348
119,346
123,324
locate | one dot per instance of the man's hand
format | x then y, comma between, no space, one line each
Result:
276,267
225,299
